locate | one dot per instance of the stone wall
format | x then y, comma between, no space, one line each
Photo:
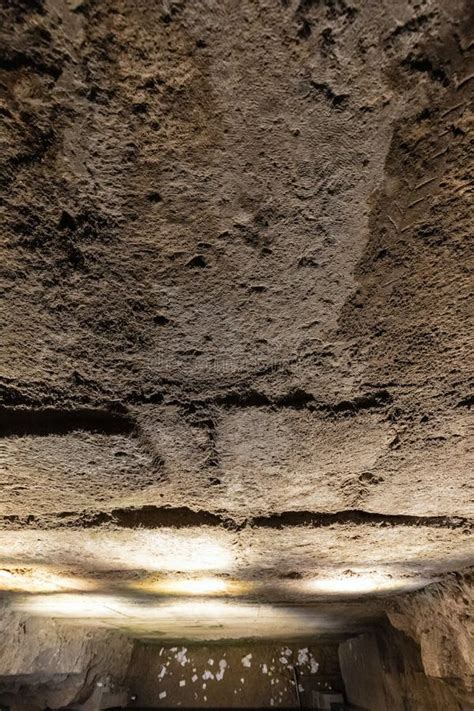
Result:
439,619
424,661
47,664
383,671
233,675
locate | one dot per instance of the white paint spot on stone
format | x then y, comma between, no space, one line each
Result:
182,682
162,672
301,689
287,652
208,674
264,669
174,649
205,698
283,660
242,681
303,656
194,678
162,695
181,657
210,662
204,686
246,661
314,666
222,668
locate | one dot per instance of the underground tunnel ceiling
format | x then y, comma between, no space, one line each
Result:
235,323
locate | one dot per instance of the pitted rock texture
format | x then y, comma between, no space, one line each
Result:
439,619
235,324
44,664
243,229
383,671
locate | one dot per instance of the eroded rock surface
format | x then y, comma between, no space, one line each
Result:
235,261
45,664
383,671
439,619
245,226
425,660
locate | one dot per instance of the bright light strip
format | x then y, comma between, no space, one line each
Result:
69,605
104,607
168,553
200,586
199,619
40,581
344,585
362,584
191,586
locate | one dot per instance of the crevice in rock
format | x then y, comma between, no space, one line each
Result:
422,63
243,399
184,517
414,24
466,402
50,421
337,101
355,517
362,402
296,399
17,60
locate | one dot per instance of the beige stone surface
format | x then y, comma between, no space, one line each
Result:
235,318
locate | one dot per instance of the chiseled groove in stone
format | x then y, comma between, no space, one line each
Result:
37,420
296,399
183,517
53,421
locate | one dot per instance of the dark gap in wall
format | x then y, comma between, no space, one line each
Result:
184,517
51,421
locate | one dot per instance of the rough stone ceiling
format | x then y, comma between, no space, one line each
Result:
236,264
